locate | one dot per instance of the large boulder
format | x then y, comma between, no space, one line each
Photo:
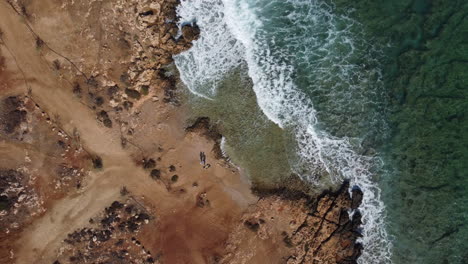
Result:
357,196
190,32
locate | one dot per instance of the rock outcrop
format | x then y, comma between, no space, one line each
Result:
190,32
298,230
328,234
206,128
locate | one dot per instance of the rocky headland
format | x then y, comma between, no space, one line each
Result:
99,163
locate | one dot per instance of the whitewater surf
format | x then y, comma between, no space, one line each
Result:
313,76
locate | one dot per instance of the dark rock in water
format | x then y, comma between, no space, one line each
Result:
357,196
344,217
190,32
356,222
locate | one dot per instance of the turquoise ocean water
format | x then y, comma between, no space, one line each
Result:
370,91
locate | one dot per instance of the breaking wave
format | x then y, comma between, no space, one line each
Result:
310,78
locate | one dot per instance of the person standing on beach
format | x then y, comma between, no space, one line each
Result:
202,158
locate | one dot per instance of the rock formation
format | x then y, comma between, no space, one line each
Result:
98,164
297,230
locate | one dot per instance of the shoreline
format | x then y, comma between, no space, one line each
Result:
108,164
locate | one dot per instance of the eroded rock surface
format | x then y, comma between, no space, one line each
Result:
298,230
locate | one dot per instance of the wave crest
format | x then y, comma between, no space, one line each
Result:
237,31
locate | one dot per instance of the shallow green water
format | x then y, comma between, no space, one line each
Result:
252,141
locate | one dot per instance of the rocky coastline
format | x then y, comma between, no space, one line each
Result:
99,164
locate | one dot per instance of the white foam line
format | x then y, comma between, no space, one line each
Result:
241,36
213,54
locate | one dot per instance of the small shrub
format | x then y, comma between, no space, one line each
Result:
145,89
24,11
4,204
97,162
107,123
123,191
175,178
61,144
92,82
133,93
77,90
124,78
104,118
103,115
288,242
99,100
39,42
149,163
56,64
252,225
111,91
155,174
127,105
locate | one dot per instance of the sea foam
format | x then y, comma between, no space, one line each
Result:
232,32
214,54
